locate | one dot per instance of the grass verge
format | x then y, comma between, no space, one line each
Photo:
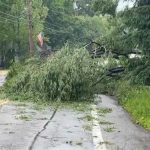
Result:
136,100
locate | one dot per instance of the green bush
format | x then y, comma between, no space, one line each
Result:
67,75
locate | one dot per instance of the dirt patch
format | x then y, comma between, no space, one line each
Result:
3,102
3,72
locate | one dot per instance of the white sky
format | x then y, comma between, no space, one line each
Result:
122,4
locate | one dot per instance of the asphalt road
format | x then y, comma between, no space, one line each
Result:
24,127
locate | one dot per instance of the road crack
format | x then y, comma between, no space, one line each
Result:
43,129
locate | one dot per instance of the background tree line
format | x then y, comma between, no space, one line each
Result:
56,19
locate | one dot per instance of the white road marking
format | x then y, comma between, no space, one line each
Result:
98,141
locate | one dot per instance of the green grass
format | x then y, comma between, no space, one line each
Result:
109,129
103,110
87,118
79,106
24,117
87,127
136,100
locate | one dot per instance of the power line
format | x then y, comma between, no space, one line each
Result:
47,28
9,15
10,8
4,22
5,4
8,19
6,34
15,17
51,24
51,29
60,10
18,17
14,21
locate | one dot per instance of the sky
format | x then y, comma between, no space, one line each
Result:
122,4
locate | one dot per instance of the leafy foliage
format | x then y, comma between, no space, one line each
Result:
129,32
67,75
14,28
106,6
63,25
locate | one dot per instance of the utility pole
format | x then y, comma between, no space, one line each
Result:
30,28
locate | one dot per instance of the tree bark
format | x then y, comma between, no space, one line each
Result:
30,28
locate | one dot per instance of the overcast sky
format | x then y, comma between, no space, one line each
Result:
123,4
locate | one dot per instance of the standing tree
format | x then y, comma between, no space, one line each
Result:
137,20
106,6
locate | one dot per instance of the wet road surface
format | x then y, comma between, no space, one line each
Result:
118,131
19,125
23,127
